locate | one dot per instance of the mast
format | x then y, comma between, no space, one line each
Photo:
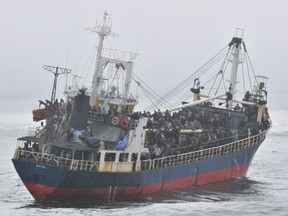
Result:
236,51
52,110
55,71
103,31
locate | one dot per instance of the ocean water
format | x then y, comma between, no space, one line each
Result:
263,192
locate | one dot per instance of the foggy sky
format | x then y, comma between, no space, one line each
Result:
173,39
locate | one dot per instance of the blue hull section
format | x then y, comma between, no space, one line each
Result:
44,181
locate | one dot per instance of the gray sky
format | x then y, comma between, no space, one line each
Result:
173,38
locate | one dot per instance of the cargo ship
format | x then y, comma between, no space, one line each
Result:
95,145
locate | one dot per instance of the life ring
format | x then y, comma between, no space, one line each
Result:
124,123
115,121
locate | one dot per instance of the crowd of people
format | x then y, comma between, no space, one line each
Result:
188,129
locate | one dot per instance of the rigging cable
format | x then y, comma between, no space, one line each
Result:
190,78
187,81
221,71
243,77
188,93
152,91
250,63
145,91
91,56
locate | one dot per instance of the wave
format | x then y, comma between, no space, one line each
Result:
279,122
278,133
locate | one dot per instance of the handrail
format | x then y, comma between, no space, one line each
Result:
203,154
194,156
50,159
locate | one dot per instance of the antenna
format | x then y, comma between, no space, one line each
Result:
104,29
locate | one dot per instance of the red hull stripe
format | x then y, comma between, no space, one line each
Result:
41,192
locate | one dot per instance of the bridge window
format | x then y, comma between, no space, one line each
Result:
123,157
110,156
134,156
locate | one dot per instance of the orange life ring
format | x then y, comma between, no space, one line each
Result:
124,123
115,121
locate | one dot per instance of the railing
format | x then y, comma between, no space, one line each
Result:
202,154
194,156
50,159
119,54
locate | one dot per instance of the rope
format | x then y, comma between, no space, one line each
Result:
251,68
93,52
243,77
224,63
155,96
190,79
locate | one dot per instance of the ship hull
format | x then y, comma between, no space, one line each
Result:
46,182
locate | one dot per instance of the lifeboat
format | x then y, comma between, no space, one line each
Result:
40,114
